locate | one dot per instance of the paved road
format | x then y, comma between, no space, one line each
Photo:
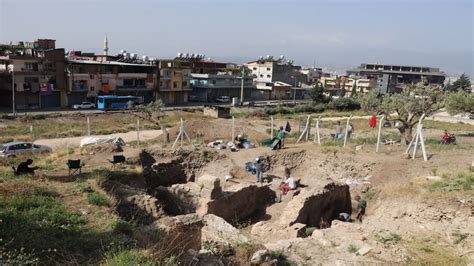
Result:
170,108
59,143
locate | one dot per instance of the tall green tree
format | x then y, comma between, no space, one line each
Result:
406,107
460,102
317,93
462,83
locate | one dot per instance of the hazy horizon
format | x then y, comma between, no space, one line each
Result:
337,34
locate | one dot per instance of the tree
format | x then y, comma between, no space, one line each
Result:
317,93
354,90
460,102
406,107
462,83
153,112
342,91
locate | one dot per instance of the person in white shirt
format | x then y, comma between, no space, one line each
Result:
290,182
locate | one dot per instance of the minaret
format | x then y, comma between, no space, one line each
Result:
106,45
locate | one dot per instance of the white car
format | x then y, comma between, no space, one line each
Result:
83,105
12,149
223,99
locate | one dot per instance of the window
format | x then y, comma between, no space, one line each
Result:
49,67
184,84
175,84
128,82
268,69
31,66
139,83
92,88
254,68
269,76
79,85
261,75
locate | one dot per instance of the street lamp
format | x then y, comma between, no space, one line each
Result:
12,67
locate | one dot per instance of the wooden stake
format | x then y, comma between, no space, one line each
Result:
378,134
347,127
305,129
233,129
138,132
88,127
271,128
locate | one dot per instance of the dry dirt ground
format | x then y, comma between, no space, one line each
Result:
417,211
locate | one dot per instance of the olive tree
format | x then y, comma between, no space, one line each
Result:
152,112
406,107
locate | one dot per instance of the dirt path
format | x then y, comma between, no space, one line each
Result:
75,141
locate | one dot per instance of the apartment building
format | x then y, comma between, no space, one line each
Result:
175,80
38,71
89,75
273,78
392,78
312,74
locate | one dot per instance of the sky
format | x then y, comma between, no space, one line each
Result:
325,33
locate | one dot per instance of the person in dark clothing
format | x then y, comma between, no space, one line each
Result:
361,206
281,134
24,168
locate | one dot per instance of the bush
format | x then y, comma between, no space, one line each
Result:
95,198
344,104
122,227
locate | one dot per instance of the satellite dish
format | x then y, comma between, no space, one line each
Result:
179,55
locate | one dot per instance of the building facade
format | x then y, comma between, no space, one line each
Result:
392,78
175,79
207,87
38,71
275,79
90,75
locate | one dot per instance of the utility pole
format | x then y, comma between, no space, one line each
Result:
242,87
13,90
294,91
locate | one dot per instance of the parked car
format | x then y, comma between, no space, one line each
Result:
83,105
193,98
223,99
12,149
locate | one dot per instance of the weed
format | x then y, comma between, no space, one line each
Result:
462,181
459,237
130,257
95,198
352,248
309,231
370,194
218,249
391,238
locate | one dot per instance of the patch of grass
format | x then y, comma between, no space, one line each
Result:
130,257
33,220
370,194
463,181
388,238
352,248
440,125
459,237
95,198
427,253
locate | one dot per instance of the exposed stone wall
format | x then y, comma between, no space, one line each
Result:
241,203
315,207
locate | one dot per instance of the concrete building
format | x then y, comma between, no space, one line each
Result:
331,85
90,75
312,74
175,81
273,78
207,87
38,70
392,78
